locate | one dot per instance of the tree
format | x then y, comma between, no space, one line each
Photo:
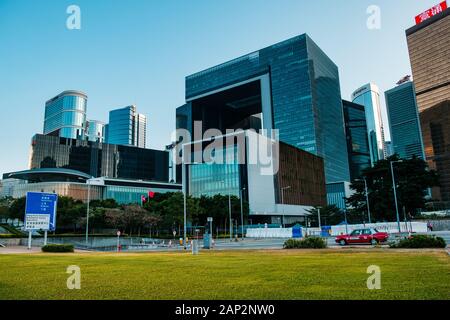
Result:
329,215
69,213
412,179
133,217
17,209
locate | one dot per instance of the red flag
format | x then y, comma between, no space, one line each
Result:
151,194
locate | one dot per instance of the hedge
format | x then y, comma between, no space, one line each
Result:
420,241
58,248
307,243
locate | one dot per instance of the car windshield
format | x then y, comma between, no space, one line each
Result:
375,230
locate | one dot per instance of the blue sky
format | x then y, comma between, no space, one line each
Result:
139,51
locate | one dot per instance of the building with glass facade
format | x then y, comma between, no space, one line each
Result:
337,193
369,97
95,131
389,149
404,121
75,184
65,115
292,86
99,159
288,185
127,127
357,141
429,52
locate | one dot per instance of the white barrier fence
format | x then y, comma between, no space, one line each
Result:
269,233
389,227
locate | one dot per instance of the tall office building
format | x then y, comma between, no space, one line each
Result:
406,134
65,115
292,86
95,131
388,149
357,141
99,159
127,127
369,97
429,51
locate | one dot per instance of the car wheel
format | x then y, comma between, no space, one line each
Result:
342,242
374,242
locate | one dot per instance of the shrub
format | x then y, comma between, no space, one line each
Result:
58,248
420,241
307,243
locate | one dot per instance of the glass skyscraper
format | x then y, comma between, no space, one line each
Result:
65,115
357,141
404,121
292,86
95,131
369,97
127,127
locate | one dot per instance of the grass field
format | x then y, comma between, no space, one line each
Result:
328,274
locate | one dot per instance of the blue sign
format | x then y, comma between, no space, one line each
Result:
297,232
41,205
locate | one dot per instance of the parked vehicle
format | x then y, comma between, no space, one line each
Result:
363,236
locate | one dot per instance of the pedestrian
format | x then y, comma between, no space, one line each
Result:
430,226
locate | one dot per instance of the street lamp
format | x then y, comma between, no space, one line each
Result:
242,213
345,216
395,193
367,198
318,216
87,210
282,200
183,182
229,210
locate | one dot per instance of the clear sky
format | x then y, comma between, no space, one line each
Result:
139,52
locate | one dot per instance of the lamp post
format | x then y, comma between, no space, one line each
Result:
183,181
345,216
318,216
87,210
282,200
367,198
229,210
395,193
242,214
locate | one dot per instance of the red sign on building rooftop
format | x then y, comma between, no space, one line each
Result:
431,12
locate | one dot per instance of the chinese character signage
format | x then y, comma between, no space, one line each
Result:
40,211
431,12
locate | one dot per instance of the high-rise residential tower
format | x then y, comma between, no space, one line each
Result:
369,97
404,121
127,127
65,115
429,52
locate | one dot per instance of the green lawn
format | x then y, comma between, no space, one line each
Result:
328,274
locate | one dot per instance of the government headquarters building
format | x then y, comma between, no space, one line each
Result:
292,87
